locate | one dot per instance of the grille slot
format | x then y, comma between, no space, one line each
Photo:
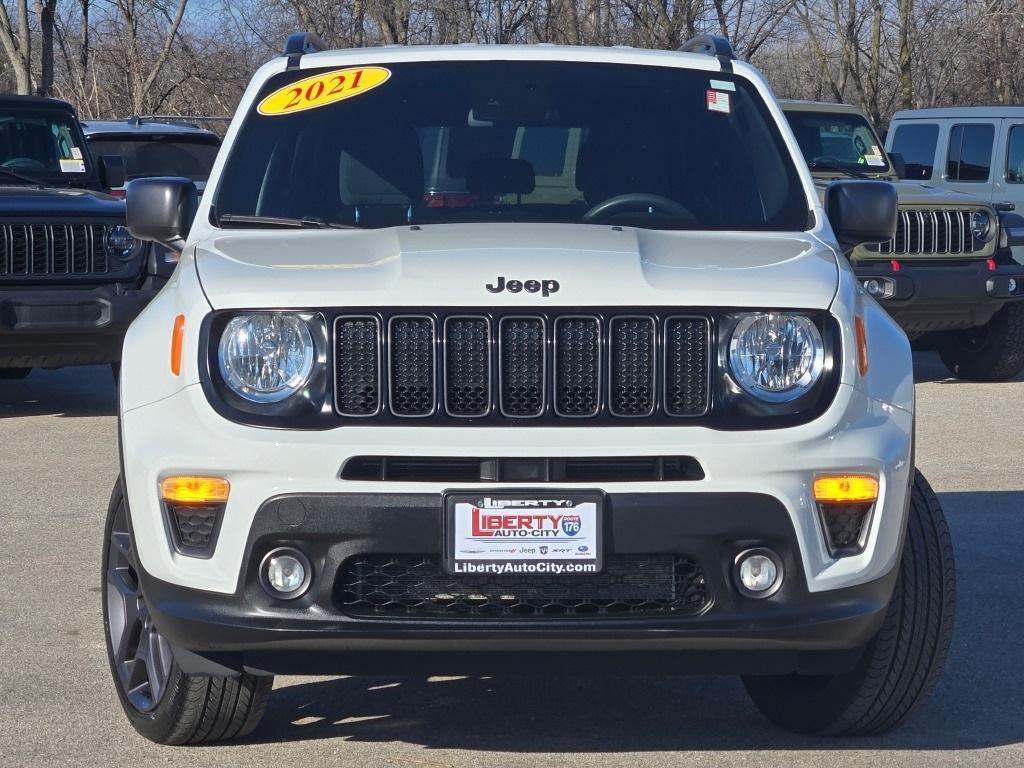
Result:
687,363
416,585
522,356
46,251
932,232
467,387
583,469
577,366
411,349
358,389
632,366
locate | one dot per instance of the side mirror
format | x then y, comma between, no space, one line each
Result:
861,212
111,171
161,209
899,165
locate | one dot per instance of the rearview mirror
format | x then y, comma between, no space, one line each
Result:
111,171
161,209
861,212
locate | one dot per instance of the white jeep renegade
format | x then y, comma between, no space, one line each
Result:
481,359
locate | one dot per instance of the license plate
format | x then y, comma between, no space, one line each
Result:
550,533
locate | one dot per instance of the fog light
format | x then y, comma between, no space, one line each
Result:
758,573
879,287
285,573
1012,285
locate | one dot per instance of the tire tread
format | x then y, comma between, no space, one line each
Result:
902,664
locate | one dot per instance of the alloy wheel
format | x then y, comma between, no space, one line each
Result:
142,657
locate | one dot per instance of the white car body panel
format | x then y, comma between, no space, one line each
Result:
595,265
169,427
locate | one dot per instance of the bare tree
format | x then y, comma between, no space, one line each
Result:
18,44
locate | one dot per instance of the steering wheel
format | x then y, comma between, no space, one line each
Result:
637,200
27,163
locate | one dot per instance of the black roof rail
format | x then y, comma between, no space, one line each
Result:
301,43
711,45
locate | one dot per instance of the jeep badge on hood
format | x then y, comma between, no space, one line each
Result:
546,287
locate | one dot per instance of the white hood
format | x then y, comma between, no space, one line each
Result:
451,265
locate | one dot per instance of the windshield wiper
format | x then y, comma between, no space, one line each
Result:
829,164
278,222
21,177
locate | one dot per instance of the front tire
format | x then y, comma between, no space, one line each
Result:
163,703
993,352
901,665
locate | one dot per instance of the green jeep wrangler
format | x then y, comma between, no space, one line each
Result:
948,273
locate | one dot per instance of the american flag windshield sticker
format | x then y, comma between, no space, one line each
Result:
718,101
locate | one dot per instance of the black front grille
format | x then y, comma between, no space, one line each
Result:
486,367
412,349
54,251
467,363
416,585
522,366
577,366
686,365
633,367
358,367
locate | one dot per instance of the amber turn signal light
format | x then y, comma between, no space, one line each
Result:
177,338
189,489
845,489
862,345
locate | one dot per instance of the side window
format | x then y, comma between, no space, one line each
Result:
970,152
64,143
915,143
1015,155
545,149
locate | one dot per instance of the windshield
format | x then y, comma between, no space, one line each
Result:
440,142
843,141
156,155
42,143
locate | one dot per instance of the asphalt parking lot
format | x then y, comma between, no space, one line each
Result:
58,461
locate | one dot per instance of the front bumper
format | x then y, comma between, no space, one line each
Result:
795,629
939,297
53,327
755,491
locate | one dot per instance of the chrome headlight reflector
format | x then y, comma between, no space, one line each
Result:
266,357
776,356
981,226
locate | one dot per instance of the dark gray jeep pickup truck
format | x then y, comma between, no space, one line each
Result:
72,278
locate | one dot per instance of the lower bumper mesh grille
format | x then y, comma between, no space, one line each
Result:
416,585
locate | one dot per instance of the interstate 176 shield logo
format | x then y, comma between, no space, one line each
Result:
571,524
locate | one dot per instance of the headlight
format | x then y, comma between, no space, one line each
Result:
776,356
120,243
981,226
266,357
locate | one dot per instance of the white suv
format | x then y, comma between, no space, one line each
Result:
648,415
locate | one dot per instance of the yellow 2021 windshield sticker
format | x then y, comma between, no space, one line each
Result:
321,90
